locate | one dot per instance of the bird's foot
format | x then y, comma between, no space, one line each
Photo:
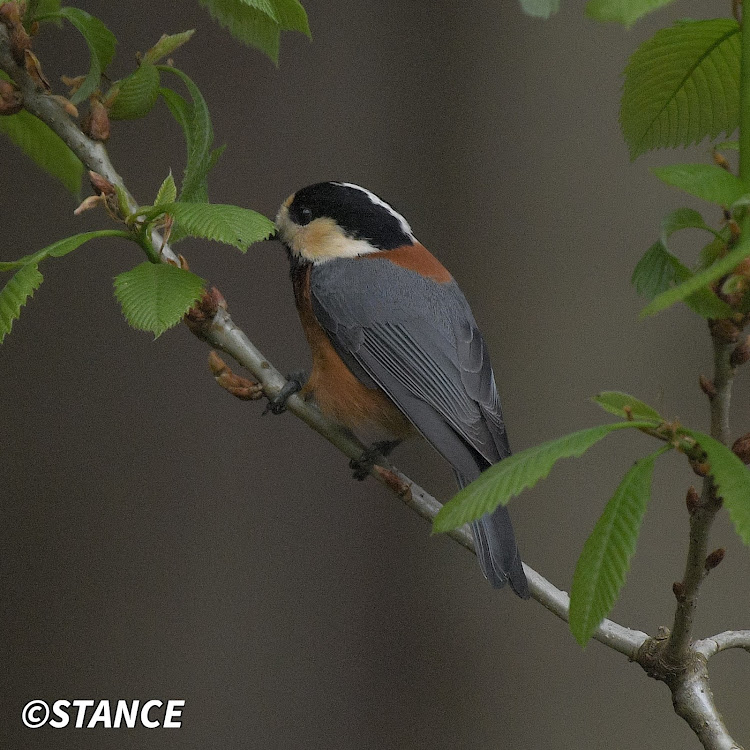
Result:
294,383
362,466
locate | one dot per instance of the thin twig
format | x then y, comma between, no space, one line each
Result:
677,647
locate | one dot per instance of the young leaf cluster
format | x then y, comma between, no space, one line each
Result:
605,559
154,296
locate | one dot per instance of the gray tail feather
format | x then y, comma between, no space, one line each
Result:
497,550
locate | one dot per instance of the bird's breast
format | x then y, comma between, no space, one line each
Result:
339,394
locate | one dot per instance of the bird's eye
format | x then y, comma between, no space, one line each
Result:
305,216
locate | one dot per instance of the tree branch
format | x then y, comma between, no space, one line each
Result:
708,647
677,647
688,680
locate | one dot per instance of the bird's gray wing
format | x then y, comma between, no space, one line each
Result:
418,341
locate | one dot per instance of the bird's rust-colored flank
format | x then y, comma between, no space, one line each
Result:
338,393
417,258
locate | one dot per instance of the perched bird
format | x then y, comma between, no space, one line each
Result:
395,348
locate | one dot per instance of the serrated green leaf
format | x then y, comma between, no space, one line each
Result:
656,271
155,296
45,148
683,218
626,12
626,406
195,121
259,23
682,86
701,280
62,247
136,94
540,8
167,192
732,480
101,43
231,225
37,8
706,181
605,559
292,16
247,24
167,45
14,294
508,478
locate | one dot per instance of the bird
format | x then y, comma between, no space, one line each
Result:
395,349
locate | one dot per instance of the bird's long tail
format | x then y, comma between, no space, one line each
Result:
496,548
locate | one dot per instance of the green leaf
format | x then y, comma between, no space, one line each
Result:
626,12
167,192
605,559
683,218
37,8
706,181
508,478
728,146
166,46
626,406
44,147
101,43
195,121
682,85
656,271
155,296
540,8
231,225
259,23
702,279
14,294
732,479
62,247
136,94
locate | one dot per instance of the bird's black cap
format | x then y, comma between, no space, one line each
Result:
360,213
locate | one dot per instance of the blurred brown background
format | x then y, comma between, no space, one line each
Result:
160,540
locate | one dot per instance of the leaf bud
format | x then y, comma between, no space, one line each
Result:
11,100
740,354
708,387
101,184
692,500
701,468
678,589
741,448
724,331
96,122
715,558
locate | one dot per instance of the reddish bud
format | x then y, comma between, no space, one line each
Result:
720,160
708,387
393,482
740,354
96,122
34,69
692,500
724,331
741,448
701,468
67,105
678,589
715,558
11,100
101,184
